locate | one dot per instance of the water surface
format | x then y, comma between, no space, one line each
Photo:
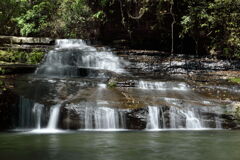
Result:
126,145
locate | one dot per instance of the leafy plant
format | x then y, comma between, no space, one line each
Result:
35,57
21,57
35,20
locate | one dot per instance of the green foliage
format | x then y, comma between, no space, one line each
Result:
21,57
218,21
112,84
77,18
2,84
35,20
9,9
212,24
100,15
235,80
104,3
12,56
2,71
35,57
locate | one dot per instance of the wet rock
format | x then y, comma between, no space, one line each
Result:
152,63
8,109
18,68
72,118
26,40
136,118
26,43
236,109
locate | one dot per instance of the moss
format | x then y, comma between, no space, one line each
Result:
235,80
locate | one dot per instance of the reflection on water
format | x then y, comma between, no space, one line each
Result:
181,145
53,146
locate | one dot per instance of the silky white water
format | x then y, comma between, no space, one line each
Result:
101,118
153,118
179,118
54,115
37,111
148,85
70,55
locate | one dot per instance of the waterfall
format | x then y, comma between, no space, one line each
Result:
70,58
153,118
37,110
70,55
101,118
191,120
26,117
184,117
179,118
105,118
162,85
97,116
54,115
218,122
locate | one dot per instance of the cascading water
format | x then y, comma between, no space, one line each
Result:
37,110
191,120
67,60
98,117
179,118
69,56
218,122
95,110
147,85
54,115
101,118
153,118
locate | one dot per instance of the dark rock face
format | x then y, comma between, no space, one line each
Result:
8,109
136,118
71,118
18,68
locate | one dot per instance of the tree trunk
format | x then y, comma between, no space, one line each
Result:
172,25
